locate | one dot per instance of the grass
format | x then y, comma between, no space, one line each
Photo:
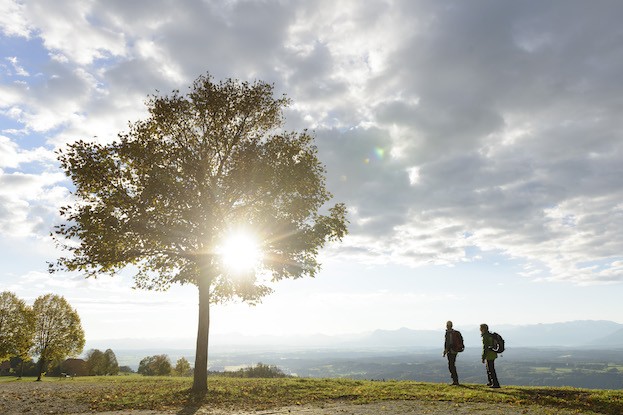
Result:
159,393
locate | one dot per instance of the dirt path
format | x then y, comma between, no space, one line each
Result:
381,408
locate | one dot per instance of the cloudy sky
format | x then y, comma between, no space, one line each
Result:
477,144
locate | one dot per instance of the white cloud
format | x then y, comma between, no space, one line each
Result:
58,22
435,120
8,152
30,198
11,155
13,21
29,202
19,70
481,166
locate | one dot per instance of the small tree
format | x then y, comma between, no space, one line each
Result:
182,367
16,327
111,366
158,365
58,331
167,194
95,362
100,364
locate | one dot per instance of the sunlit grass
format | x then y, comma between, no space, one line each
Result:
137,392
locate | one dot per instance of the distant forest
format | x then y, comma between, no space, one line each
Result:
582,368
574,367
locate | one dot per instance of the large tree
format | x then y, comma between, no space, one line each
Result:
58,331
166,195
16,327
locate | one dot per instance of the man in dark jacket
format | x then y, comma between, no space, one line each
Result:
448,350
489,356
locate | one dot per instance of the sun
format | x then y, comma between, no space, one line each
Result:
240,252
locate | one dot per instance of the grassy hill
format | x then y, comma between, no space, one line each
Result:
160,393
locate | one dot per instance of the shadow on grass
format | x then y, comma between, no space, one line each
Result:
602,402
261,394
575,399
193,402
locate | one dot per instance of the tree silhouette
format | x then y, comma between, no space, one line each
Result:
166,194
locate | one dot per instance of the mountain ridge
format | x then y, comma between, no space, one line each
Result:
578,333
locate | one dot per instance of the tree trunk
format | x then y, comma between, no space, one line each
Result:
200,379
40,368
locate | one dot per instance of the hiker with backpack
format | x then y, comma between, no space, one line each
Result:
452,346
490,348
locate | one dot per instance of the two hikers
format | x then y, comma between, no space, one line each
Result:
453,344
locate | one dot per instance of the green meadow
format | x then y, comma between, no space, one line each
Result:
160,393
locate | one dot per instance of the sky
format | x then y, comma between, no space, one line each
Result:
478,146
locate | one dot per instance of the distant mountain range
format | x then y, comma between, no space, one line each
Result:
584,334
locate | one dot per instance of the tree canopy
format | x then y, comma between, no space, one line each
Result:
182,367
16,326
101,363
58,331
167,193
158,365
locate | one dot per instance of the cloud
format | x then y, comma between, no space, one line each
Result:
498,139
12,155
58,21
13,21
19,70
446,127
29,202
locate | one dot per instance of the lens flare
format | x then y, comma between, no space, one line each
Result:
379,153
240,252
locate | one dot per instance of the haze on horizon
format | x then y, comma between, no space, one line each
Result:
476,144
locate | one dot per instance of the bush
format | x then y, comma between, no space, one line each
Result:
258,371
125,369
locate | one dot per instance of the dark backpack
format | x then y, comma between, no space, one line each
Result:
457,341
498,343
